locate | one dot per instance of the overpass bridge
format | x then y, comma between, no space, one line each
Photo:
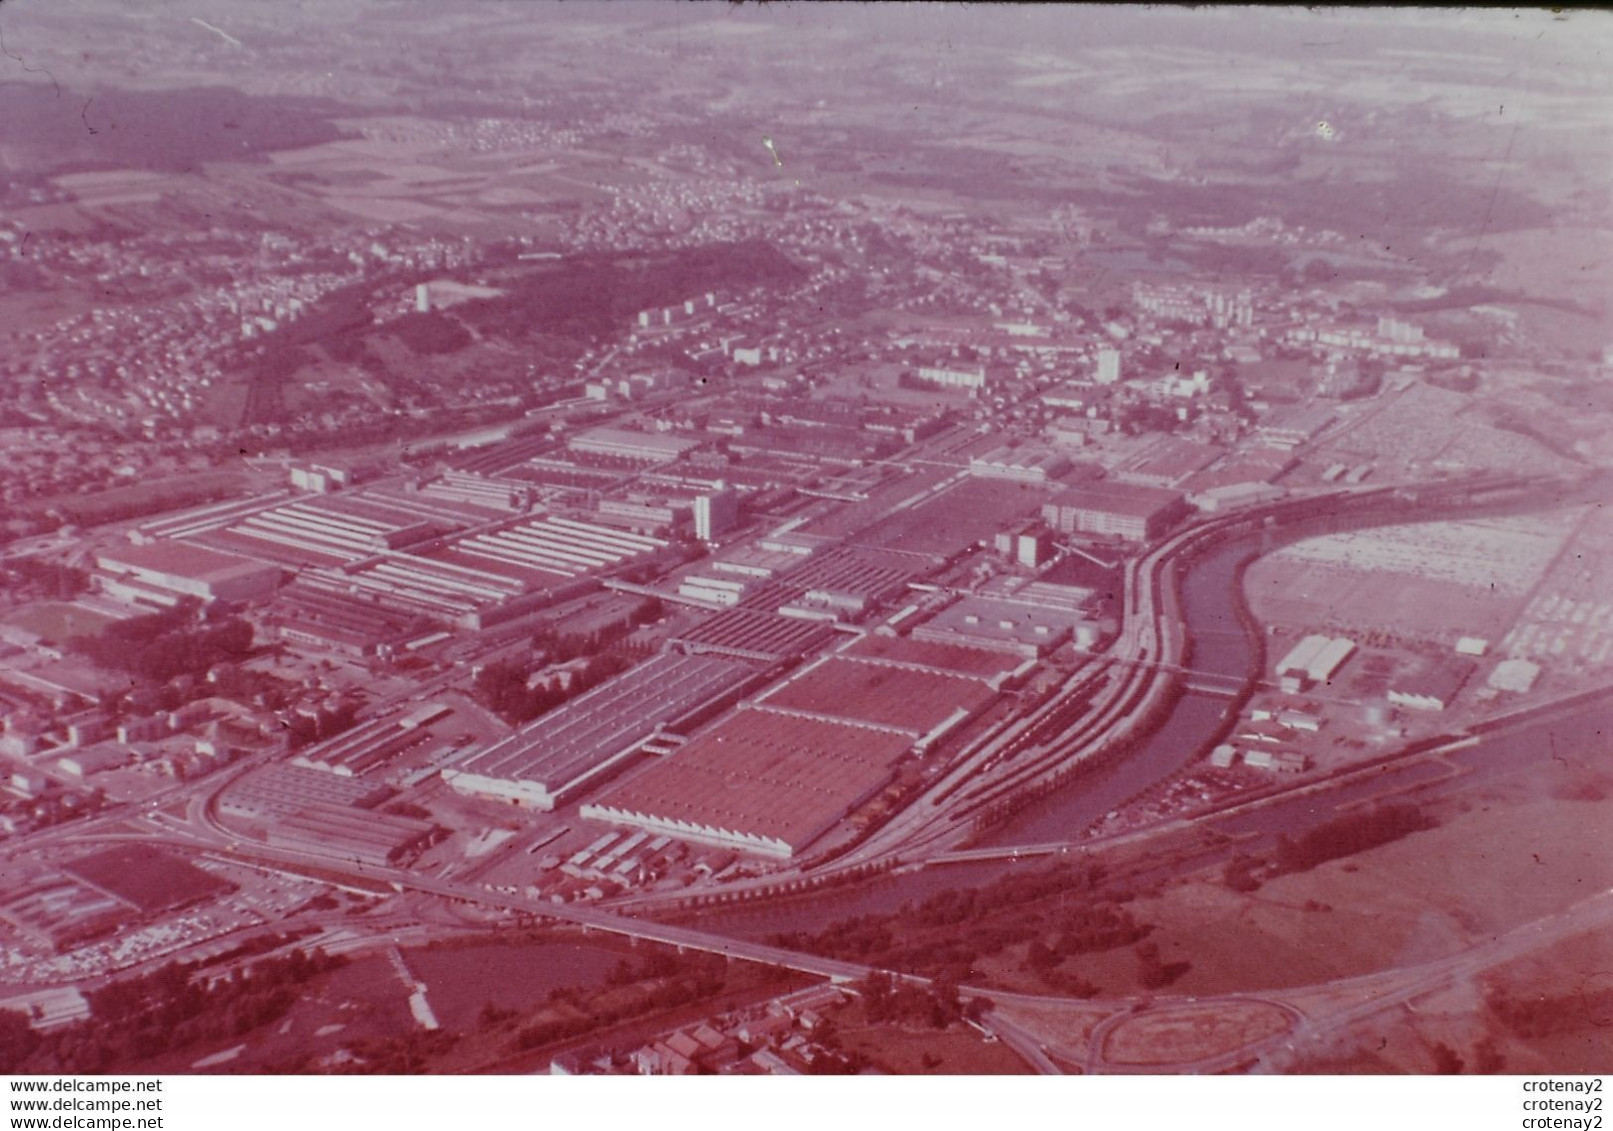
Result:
589,918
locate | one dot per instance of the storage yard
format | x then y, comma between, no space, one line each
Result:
1416,582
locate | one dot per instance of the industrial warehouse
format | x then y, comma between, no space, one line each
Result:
164,574
1120,510
377,839
371,568
577,744
762,781
920,703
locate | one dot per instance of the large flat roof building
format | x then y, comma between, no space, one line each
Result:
1315,659
578,744
279,790
1434,688
1024,465
999,624
179,569
760,782
906,698
620,443
1122,510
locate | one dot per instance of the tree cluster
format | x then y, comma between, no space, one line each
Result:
949,931
1348,835
430,332
303,730
160,646
937,1005
502,687
17,1039
170,1008
667,981
1153,972
1541,1015
38,578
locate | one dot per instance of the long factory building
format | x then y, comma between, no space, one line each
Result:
1119,510
164,573
778,774
576,745
1315,659
400,553
762,781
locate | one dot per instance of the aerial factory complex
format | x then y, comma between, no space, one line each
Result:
687,554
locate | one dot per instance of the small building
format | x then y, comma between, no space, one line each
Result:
1027,543
953,378
725,591
999,625
95,760
1275,761
50,1009
1518,676
1315,659
1292,426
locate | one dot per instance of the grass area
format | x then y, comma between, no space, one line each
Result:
461,979
1069,1024
1571,986
1481,873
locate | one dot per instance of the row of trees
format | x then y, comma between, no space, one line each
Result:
560,648
1348,835
666,980
1333,840
303,730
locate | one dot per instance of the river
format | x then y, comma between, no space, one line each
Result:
1220,646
